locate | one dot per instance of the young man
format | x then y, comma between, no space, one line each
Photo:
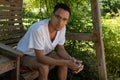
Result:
42,38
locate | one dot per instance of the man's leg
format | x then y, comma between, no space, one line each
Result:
62,70
43,71
33,64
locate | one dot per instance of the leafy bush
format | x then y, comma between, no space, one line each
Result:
111,30
83,51
110,6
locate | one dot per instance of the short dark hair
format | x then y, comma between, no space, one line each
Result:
62,6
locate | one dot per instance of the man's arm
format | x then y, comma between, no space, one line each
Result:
51,61
48,60
62,52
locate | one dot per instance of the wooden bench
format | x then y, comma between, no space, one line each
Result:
11,30
10,25
9,61
6,65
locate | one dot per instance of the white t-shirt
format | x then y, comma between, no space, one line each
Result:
37,37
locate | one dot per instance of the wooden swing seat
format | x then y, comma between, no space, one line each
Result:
11,31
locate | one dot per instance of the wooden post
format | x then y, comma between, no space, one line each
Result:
17,68
96,15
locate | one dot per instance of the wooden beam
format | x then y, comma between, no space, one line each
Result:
9,50
81,36
96,15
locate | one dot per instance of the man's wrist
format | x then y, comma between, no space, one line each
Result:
73,59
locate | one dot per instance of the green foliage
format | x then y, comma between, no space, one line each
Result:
112,15
83,51
80,21
110,6
111,29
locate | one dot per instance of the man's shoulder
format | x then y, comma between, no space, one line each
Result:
39,24
45,21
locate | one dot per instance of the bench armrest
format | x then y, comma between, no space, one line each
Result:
10,51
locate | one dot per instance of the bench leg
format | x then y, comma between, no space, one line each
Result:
18,68
15,74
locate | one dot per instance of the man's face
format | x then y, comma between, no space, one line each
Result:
59,19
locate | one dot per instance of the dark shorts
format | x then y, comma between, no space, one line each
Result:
30,61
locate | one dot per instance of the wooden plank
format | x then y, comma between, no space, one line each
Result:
10,26
10,31
6,32
7,17
10,37
17,21
9,4
81,36
12,2
6,64
31,75
10,34
14,8
11,42
10,12
10,50
99,43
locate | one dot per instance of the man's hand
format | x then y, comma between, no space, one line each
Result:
72,65
80,65
80,69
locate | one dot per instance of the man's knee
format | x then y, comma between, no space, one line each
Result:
43,68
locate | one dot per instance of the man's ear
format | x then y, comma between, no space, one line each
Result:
52,14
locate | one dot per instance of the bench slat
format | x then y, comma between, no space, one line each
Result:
31,75
6,64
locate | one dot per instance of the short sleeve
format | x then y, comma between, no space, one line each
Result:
36,40
62,36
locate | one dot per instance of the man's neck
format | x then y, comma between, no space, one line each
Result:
50,28
52,32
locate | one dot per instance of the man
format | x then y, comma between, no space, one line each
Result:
43,45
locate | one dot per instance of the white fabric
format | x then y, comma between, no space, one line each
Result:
37,37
